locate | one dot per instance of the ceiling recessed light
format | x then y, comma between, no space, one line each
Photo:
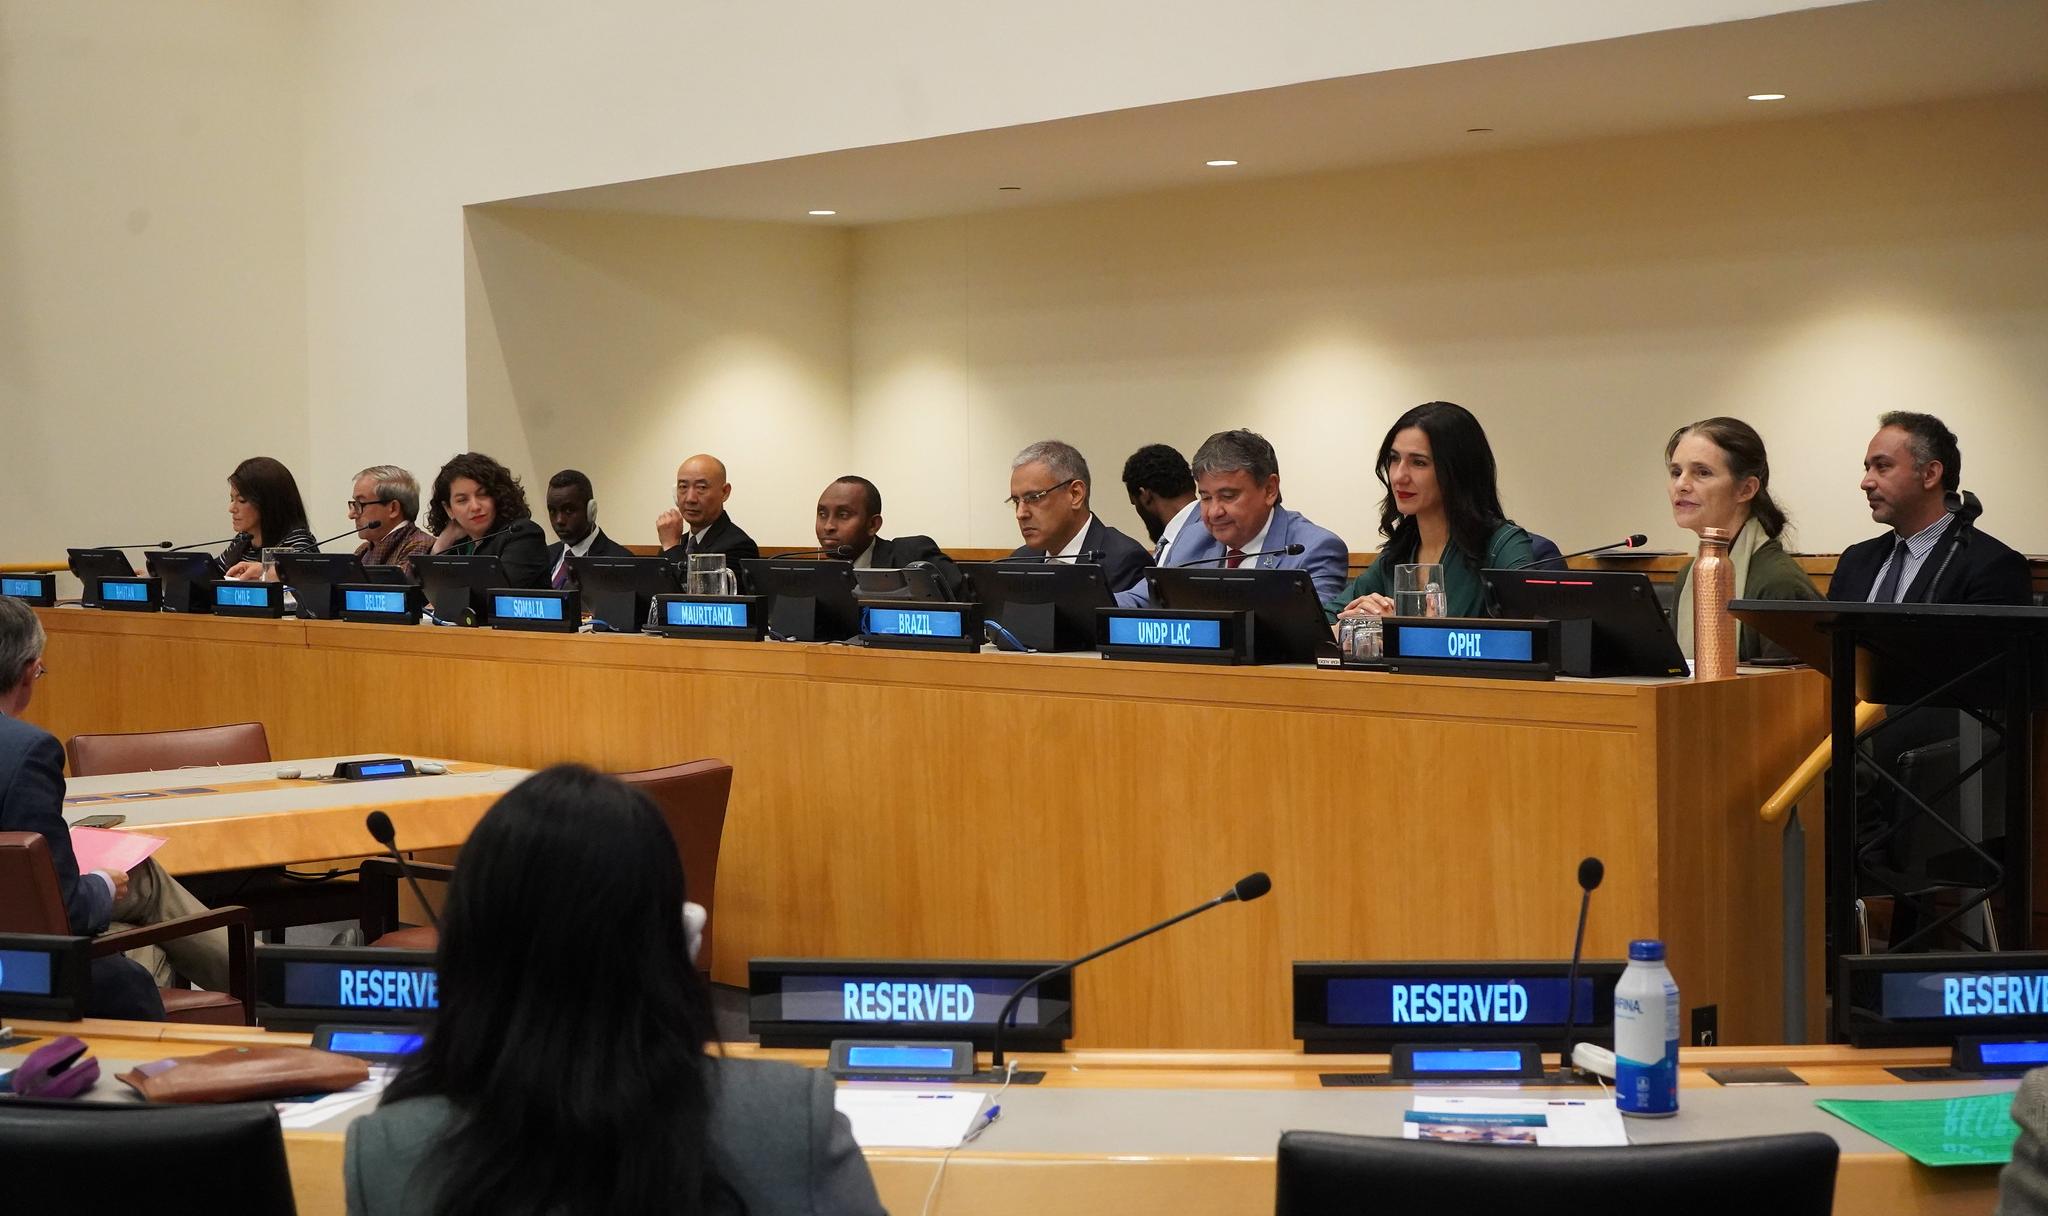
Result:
1767,97
824,213
1219,164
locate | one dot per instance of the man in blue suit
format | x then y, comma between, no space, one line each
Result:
1237,481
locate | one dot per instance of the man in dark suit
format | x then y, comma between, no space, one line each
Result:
698,522
1930,556
32,800
1162,491
850,515
572,513
1049,489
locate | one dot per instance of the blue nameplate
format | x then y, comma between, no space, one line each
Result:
1527,650
380,604
810,1002
37,589
1174,636
132,594
897,625
248,599
301,984
1939,998
44,976
741,618
542,611
1374,1006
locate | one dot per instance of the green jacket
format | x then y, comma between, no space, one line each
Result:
1773,575
1464,593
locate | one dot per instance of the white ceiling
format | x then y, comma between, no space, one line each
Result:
1854,56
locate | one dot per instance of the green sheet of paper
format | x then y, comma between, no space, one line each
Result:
1977,1130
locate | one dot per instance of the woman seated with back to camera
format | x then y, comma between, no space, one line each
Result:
266,512
565,1070
479,509
1442,506
1721,478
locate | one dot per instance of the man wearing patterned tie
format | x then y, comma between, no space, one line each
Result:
1243,525
572,513
1162,492
1911,467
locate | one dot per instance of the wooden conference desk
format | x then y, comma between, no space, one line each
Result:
1194,1133
899,804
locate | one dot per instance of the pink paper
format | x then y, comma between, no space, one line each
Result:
107,849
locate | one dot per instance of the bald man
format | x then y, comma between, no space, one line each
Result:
698,522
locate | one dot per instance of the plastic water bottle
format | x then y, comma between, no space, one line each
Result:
1646,1035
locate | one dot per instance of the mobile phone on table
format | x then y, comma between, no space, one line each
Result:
101,821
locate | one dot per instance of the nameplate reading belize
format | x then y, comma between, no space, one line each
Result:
1174,633
392,602
353,986
705,614
941,999
1474,1002
1966,994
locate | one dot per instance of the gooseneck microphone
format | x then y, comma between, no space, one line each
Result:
1634,540
375,526
155,544
843,553
380,827
1965,507
1591,871
205,544
1284,551
1083,555
1244,890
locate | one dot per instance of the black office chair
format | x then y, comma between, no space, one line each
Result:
54,1156
1322,1173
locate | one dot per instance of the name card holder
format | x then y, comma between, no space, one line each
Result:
130,593
379,604
1469,646
35,590
252,598
1992,1008
542,611
717,618
1167,635
44,976
901,625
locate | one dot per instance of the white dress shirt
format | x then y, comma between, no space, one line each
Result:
1918,546
1072,547
1162,555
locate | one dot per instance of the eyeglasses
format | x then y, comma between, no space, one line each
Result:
1034,497
357,506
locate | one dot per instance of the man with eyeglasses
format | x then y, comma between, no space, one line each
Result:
384,504
32,800
1049,492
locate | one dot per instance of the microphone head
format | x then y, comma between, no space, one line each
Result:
1250,887
1963,504
1295,548
1591,871
1636,540
380,828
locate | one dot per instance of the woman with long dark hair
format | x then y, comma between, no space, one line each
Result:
1721,478
1442,506
266,512
565,1070
479,508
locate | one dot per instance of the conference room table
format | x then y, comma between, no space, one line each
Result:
1194,1133
910,804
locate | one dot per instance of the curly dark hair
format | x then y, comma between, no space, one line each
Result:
1160,469
493,478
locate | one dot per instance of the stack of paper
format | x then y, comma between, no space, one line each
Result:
1544,1122
908,1118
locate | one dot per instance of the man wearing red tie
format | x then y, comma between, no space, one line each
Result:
572,513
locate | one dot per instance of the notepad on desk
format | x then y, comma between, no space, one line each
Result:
908,1118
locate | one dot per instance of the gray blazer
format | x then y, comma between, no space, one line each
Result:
2023,1185
775,1139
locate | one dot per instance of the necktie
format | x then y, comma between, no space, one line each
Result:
562,570
1888,586
1234,558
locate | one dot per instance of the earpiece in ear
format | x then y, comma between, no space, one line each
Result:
590,510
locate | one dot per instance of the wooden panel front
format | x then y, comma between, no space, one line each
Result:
904,804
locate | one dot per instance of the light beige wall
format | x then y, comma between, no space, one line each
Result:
620,345
1584,300
152,269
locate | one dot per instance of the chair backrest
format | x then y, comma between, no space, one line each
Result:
55,1155
151,750
1321,1172
1544,553
30,900
692,799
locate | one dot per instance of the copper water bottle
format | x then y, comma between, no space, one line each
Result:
1713,630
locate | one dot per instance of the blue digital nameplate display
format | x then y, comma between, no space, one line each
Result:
131,594
25,973
2013,1055
302,985
388,603
248,599
795,1002
37,589
1174,636
1489,645
44,976
545,611
921,626
708,614
1467,1061
1937,998
377,1043
892,1056
234,595
724,618
390,768
1478,647
1373,1006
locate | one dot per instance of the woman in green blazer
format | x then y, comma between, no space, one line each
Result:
1442,505
1721,478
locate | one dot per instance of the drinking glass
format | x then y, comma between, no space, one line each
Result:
1419,589
708,575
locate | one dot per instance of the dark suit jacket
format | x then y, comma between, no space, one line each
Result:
723,536
775,1141
1983,571
32,800
1123,559
903,550
603,546
521,548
